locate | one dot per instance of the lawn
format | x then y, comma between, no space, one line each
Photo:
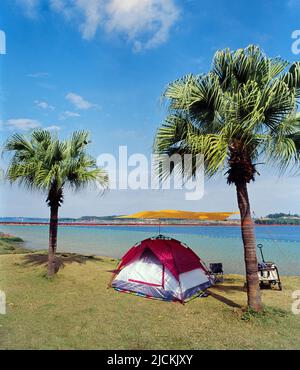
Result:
11,244
75,310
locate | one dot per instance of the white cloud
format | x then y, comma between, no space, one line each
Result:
53,128
30,7
23,124
46,86
38,74
92,13
68,114
144,23
43,105
79,102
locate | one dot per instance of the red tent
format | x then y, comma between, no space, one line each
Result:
161,268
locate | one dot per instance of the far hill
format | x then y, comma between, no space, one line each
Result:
96,218
279,219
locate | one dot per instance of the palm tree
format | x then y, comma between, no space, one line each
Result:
296,136
242,110
45,163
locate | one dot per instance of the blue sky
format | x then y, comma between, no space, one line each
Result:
102,65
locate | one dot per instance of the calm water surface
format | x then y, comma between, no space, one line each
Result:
212,244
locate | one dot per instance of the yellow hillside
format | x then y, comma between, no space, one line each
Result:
169,213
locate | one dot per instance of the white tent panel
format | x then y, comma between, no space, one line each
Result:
142,272
171,284
192,278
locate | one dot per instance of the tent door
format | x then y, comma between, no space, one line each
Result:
148,271
162,284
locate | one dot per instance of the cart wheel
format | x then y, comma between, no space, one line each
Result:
279,286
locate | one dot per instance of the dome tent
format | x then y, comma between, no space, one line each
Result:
161,268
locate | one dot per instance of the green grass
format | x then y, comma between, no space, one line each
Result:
11,245
75,310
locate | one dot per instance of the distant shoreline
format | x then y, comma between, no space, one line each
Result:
86,224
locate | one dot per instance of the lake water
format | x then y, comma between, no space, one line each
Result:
212,244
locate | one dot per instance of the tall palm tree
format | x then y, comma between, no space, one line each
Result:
242,110
296,136
43,162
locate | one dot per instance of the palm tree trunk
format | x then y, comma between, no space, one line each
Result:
247,228
52,239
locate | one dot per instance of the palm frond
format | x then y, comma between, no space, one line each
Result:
43,162
244,105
